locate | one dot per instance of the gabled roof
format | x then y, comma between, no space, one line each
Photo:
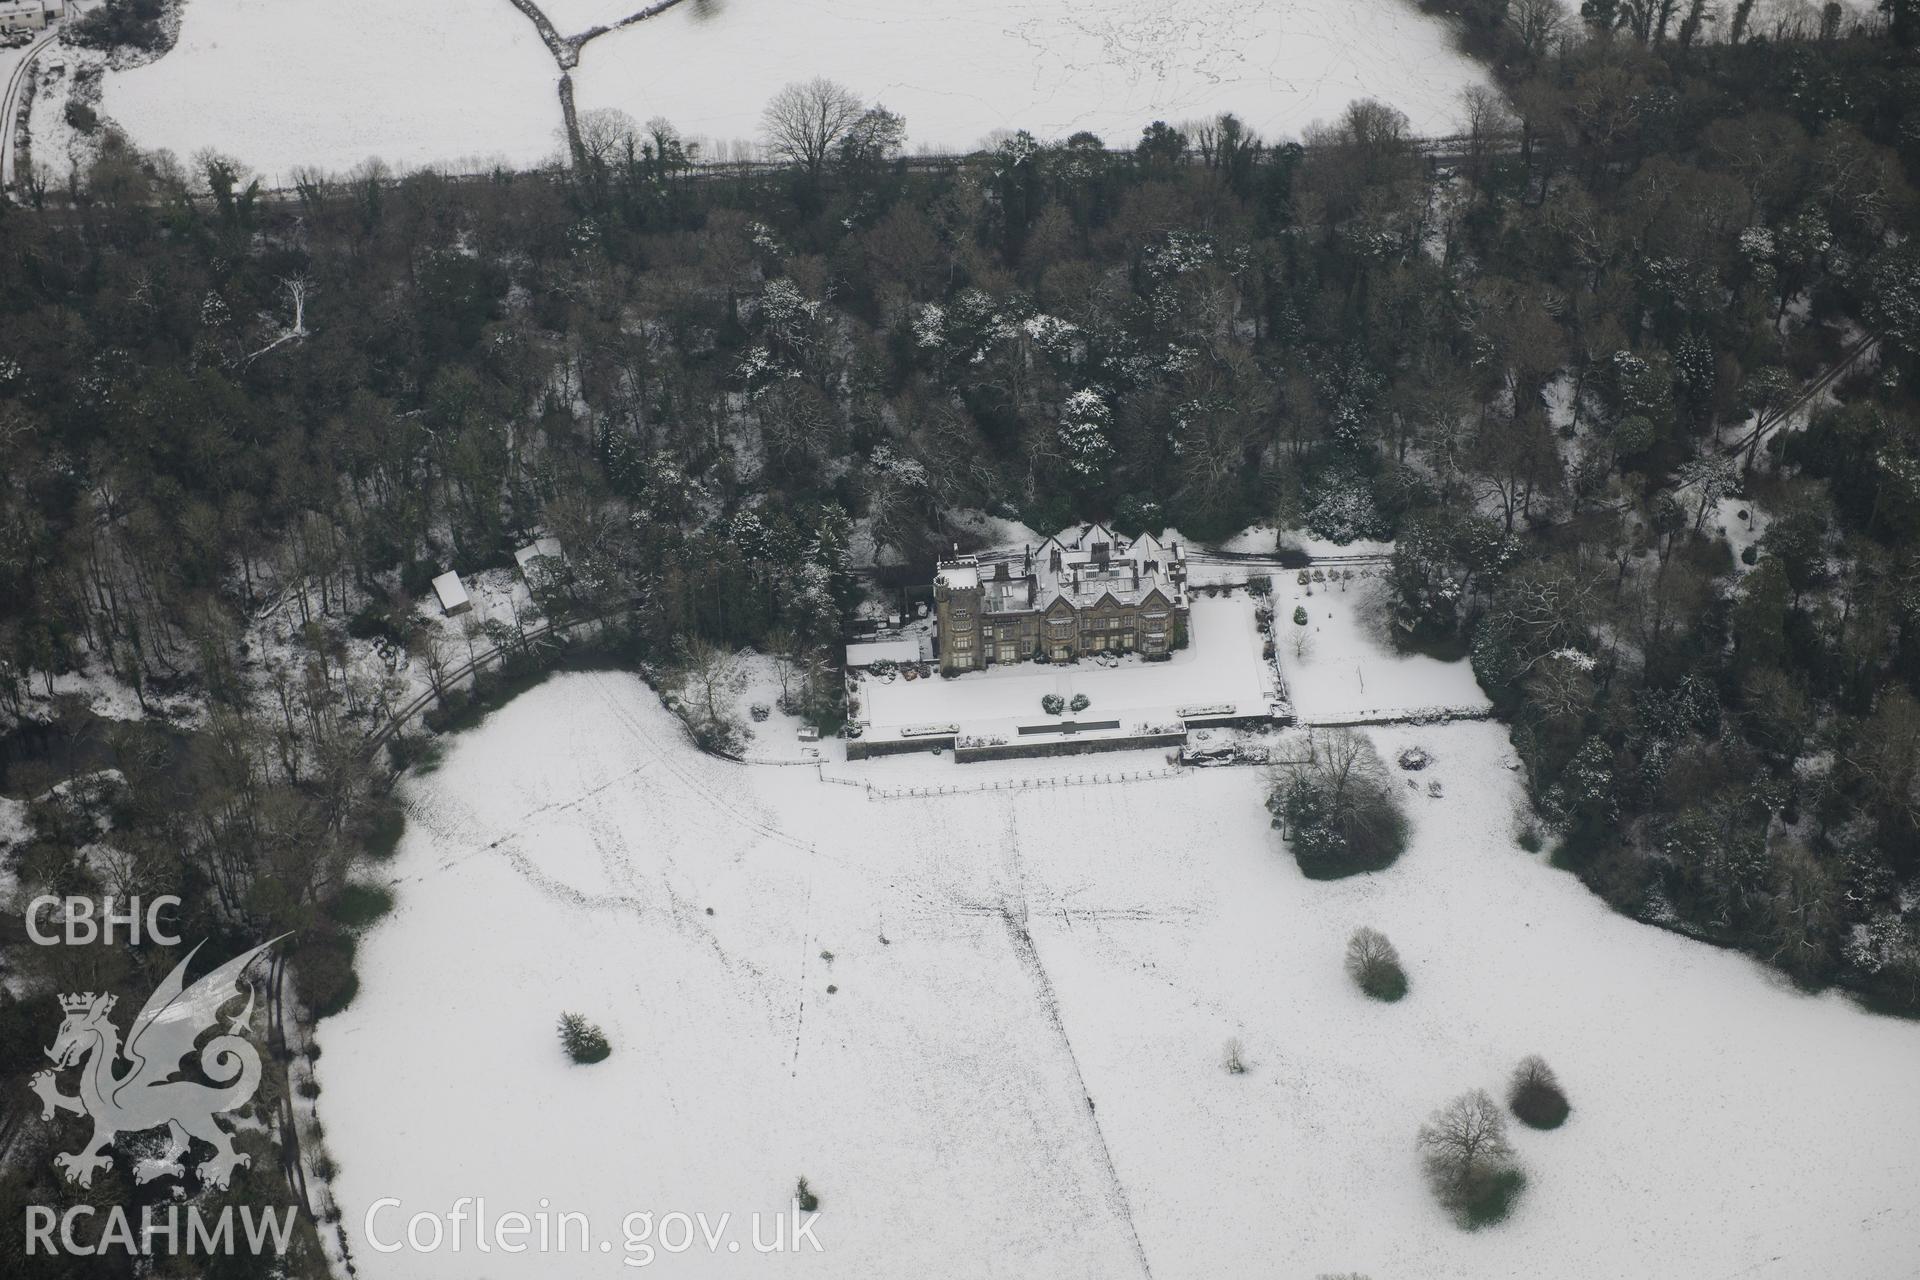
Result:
1123,575
1081,537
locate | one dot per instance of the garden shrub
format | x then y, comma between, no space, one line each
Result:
584,1042
359,905
1374,965
1535,1096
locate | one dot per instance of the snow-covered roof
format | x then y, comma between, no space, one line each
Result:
1084,564
865,653
452,594
539,548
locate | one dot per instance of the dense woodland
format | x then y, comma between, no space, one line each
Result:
1535,359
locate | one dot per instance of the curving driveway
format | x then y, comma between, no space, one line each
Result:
14,96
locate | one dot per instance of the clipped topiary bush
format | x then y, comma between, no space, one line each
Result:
1053,704
1079,702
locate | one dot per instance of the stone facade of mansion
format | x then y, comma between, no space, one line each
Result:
1080,592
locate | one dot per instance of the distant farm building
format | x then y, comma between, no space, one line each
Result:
30,15
453,596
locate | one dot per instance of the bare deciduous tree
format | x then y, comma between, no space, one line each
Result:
1488,120
1336,811
1374,965
430,646
806,121
787,653
1465,1151
711,673
1802,911
1536,23
1535,1095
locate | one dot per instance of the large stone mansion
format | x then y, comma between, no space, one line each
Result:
1082,591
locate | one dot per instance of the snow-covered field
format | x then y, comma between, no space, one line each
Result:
959,70
330,83
1019,1072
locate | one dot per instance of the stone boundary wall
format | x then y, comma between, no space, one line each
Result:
1067,747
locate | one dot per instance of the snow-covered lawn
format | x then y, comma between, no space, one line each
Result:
57,149
959,70
1220,665
1349,669
1020,1070
330,83
776,739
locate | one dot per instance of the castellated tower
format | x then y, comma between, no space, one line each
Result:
956,602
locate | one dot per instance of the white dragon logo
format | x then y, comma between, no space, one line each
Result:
147,1096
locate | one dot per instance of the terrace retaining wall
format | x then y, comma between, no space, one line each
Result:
1067,746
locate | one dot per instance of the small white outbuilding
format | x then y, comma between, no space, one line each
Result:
538,549
453,595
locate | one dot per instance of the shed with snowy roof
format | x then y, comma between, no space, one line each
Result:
453,595
537,550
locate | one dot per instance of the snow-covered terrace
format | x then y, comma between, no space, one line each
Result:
1220,669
